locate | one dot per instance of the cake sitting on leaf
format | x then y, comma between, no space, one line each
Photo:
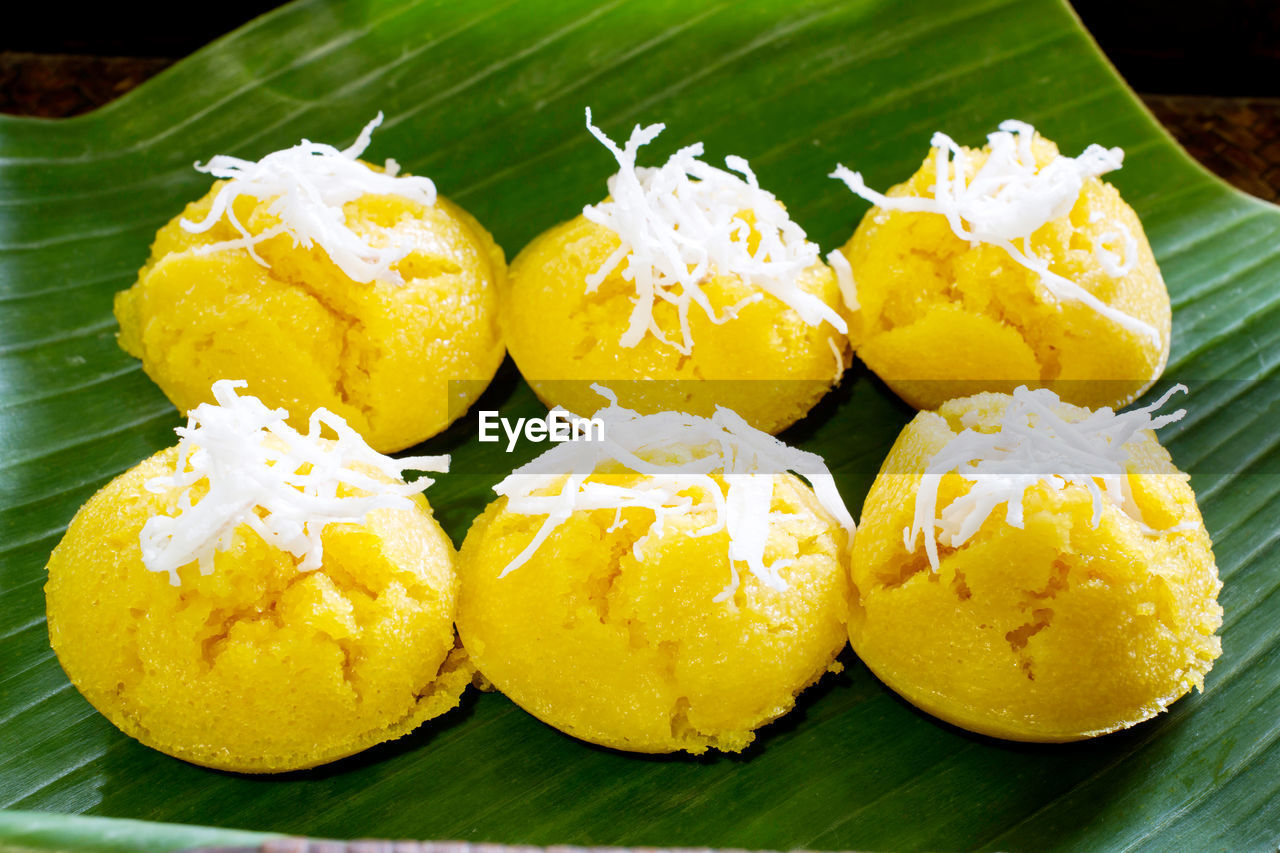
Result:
1035,571
672,587
686,272
1007,265
257,599
323,281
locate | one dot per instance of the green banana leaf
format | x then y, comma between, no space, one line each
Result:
487,98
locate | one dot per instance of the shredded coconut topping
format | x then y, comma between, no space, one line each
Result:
676,454
844,279
687,220
1008,199
307,186
1116,265
262,473
1034,445
839,357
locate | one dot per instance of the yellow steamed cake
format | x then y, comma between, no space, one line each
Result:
304,334
635,653
258,665
772,367
674,588
1053,631
943,317
686,288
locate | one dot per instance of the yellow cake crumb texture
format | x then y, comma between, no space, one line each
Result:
634,652
766,363
941,318
305,335
257,667
1055,631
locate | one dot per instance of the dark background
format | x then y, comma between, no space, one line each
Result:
1227,47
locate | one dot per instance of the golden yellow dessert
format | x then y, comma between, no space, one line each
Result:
1024,267
246,658
368,302
1024,604
685,273
659,612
